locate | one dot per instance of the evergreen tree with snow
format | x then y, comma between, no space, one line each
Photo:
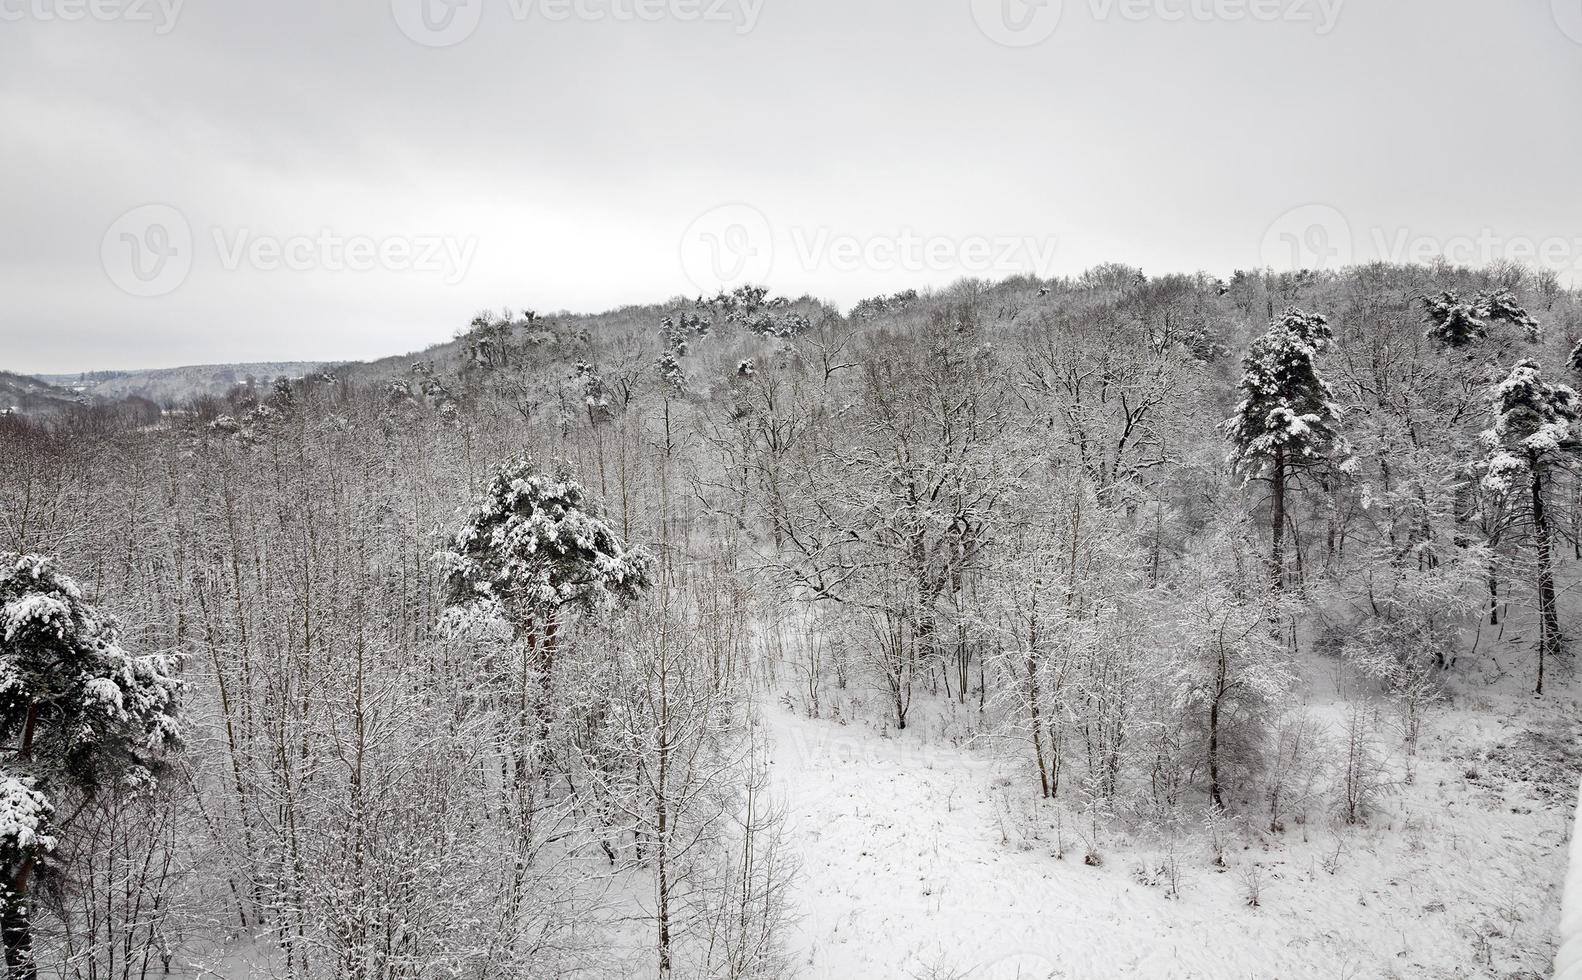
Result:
536,545
1500,306
1574,362
1455,323
1286,420
1536,428
675,336
82,717
671,374
533,551
595,392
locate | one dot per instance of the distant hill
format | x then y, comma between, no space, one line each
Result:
632,321
178,385
30,396
174,385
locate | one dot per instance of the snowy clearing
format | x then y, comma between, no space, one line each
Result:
914,865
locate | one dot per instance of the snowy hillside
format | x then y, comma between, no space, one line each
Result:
1092,628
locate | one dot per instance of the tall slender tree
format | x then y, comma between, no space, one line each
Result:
534,550
1535,430
1286,421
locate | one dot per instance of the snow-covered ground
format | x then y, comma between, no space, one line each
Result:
922,859
927,860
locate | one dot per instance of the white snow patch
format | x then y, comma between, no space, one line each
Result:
911,866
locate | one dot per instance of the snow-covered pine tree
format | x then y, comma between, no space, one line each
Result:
533,550
1286,419
1536,427
1500,306
595,393
673,345
536,544
1574,362
1455,323
82,715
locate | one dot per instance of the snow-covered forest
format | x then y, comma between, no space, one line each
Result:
1118,625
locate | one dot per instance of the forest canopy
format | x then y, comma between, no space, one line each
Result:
466,664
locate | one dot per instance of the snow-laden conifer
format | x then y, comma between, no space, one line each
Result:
532,553
1287,418
535,546
1536,426
1457,323
84,716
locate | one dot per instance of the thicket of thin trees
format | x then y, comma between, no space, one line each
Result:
462,670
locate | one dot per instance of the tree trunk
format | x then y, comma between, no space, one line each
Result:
963,664
16,926
1037,721
662,874
1277,520
1549,615
1213,731
662,817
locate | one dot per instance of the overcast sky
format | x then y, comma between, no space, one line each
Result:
239,180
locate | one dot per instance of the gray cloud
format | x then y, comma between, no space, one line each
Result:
575,154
